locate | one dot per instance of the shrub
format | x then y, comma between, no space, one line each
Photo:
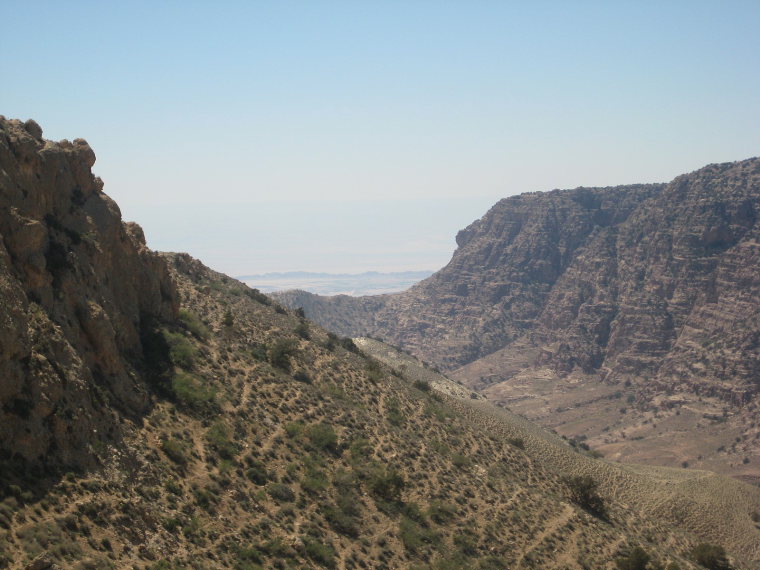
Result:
259,352
175,450
517,442
302,330
181,351
442,513
293,429
710,556
194,324
323,436
257,472
422,385
466,542
374,371
393,413
302,376
280,353
281,493
322,554
360,449
228,319
582,490
413,536
257,296
218,436
635,558
314,481
192,391
460,460
387,485
344,515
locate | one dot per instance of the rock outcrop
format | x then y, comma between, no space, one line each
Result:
77,287
655,286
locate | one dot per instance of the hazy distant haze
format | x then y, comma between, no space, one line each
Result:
344,137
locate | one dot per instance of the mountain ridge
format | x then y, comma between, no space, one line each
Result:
652,288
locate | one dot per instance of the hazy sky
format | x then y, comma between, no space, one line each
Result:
358,135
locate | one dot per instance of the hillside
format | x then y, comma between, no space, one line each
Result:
157,414
625,315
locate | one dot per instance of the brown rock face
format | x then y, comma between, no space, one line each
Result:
76,286
656,287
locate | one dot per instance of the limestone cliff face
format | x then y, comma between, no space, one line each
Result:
76,287
660,282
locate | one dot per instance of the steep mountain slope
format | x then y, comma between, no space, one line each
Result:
203,426
653,290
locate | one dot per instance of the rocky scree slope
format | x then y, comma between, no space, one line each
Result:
654,289
203,426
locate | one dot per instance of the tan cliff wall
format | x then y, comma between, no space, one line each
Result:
76,287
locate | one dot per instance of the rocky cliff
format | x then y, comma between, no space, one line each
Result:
78,286
653,288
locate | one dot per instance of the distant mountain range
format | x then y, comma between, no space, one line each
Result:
367,283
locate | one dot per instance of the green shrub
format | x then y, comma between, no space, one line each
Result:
635,558
360,449
302,330
393,412
192,391
173,487
460,460
259,352
415,537
314,481
181,351
466,542
281,493
343,516
257,296
373,370
194,324
175,450
710,556
280,353
293,429
323,437
218,436
387,484
256,472
442,513
517,442
302,376
228,320
322,554
582,491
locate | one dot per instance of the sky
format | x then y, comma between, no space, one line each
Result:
349,136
